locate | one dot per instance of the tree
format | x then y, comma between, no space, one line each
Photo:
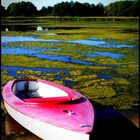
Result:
81,9
3,11
22,9
112,9
135,8
62,9
99,9
123,8
46,11
93,13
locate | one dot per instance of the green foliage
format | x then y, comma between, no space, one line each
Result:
21,9
123,8
119,8
62,9
45,11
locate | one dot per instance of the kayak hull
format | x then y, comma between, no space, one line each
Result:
50,119
44,130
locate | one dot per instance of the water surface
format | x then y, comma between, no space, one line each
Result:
12,69
90,42
107,54
25,51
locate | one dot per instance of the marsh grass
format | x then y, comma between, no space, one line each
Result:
120,92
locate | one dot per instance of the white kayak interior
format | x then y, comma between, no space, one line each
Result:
35,89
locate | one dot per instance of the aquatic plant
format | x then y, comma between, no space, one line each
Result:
5,78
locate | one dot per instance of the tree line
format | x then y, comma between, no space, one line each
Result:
120,8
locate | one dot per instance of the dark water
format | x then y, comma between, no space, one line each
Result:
104,77
18,28
33,28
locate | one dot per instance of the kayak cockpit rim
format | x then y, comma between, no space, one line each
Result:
35,90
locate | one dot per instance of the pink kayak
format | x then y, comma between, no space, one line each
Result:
49,110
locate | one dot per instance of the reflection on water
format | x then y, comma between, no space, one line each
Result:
100,43
25,51
6,39
104,77
14,131
36,52
12,70
90,42
18,28
33,28
108,54
62,58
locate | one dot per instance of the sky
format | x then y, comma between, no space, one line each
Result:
40,3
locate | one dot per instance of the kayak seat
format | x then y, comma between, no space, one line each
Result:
33,94
20,90
26,89
32,89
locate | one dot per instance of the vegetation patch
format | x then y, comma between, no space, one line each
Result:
120,91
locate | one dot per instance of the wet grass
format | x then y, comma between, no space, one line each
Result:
120,92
